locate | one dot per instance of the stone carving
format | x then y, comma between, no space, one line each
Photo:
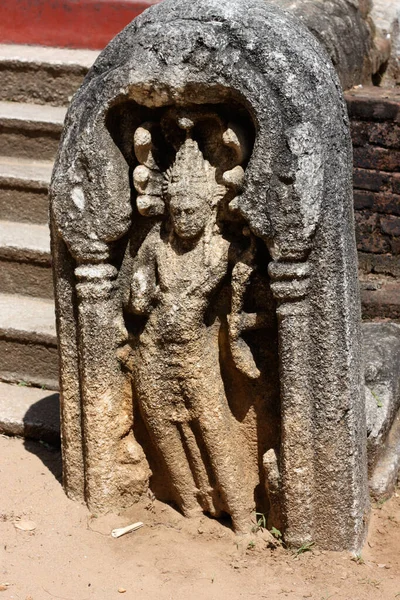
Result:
205,267
381,349
176,370
347,32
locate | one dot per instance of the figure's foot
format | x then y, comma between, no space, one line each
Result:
242,524
192,511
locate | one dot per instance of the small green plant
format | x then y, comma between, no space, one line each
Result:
276,533
380,503
261,521
378,400
251,545
307,547
260,524
45,445
22,384
357,558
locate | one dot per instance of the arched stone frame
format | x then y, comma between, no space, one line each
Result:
297,197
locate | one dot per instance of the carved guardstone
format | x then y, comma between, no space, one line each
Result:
206,276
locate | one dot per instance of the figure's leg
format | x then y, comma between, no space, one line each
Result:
159,406
223,445
226,456
168,441
200,472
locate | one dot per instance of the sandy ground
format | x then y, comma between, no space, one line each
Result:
70,554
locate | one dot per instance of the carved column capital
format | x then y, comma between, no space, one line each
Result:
95,281
290,284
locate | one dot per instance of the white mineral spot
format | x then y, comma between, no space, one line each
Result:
78,197
140,279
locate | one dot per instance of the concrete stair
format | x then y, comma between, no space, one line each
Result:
42,75
23,189
29,412
37,85
30,130
28,343
25,261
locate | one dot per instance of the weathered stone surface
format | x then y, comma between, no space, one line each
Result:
344,29
205,265
381,342
386,17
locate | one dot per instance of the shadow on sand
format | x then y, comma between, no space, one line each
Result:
42,433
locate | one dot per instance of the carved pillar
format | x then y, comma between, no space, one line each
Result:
289,286
107,415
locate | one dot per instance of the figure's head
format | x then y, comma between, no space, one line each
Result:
189,210
192,191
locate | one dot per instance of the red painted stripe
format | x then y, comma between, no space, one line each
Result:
66,23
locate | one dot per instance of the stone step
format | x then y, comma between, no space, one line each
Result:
28,344
30,413
24,186
42,75
30,130
25,260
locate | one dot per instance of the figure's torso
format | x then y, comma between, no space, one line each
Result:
186,282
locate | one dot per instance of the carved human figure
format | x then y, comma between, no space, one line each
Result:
176,365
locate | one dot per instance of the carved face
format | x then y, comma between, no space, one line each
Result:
191,191
189,212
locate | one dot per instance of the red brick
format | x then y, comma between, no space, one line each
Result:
368,233
382,303
374,104
360,132
372,157
384,134
391,225
395,244
379,264
363,199
395,183
386,203
374,181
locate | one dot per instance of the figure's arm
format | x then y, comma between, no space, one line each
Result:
238,320
143,287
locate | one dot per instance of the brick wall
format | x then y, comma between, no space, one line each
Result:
375,126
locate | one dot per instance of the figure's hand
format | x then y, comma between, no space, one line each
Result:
142,293
241,353
243,358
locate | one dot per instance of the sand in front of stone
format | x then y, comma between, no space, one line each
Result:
70,555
